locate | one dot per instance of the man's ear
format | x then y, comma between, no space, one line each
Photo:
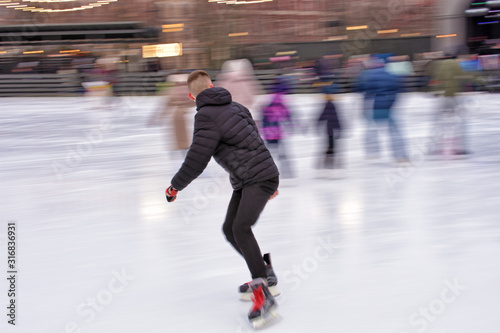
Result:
192,97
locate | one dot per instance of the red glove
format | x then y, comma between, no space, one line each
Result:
171,194
275,194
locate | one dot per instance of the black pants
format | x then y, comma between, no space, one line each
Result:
244,209
331,145
328,160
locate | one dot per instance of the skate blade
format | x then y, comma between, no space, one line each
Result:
247,297
262,322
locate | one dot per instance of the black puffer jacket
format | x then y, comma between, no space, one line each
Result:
225,130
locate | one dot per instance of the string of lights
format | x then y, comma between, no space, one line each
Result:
240,2
53,6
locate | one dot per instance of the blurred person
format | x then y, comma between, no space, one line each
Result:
380,90
333,127
108,69
326,66
402,67
470,63
447,82
275,116
225,130
354,66
283,83
237,76
102,83
420,67
178,106
399,66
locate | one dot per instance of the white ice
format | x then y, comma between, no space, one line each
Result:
373,248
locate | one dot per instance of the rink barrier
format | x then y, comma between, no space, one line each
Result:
40,84
303,81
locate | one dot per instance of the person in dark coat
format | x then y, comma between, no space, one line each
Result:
380,90
225,130
333,127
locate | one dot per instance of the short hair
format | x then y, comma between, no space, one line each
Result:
198,81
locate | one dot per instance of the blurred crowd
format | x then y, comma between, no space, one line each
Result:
298,76
379,78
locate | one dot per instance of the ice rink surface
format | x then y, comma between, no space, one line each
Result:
372,247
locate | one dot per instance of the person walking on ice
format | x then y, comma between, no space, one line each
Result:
225,130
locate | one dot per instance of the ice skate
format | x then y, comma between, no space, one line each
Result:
245,290
264,310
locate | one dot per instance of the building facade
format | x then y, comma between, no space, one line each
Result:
211,32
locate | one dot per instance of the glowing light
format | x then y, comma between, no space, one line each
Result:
389,31
162,50
237,34
476,12
490,22
446,36
411,35
17,6
236,2
33,52
286,53
172,30
170,26
493,4
333,38
245,2
358,27
69,51
50,1
173,27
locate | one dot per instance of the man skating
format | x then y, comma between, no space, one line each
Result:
225,130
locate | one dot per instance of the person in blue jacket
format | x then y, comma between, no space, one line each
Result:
380,90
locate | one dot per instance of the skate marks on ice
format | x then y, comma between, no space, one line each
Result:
293,279
272,319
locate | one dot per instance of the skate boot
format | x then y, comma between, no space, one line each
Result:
265,308
245,290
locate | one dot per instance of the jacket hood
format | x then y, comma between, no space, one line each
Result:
213,96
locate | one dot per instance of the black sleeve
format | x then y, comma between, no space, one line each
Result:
206,138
